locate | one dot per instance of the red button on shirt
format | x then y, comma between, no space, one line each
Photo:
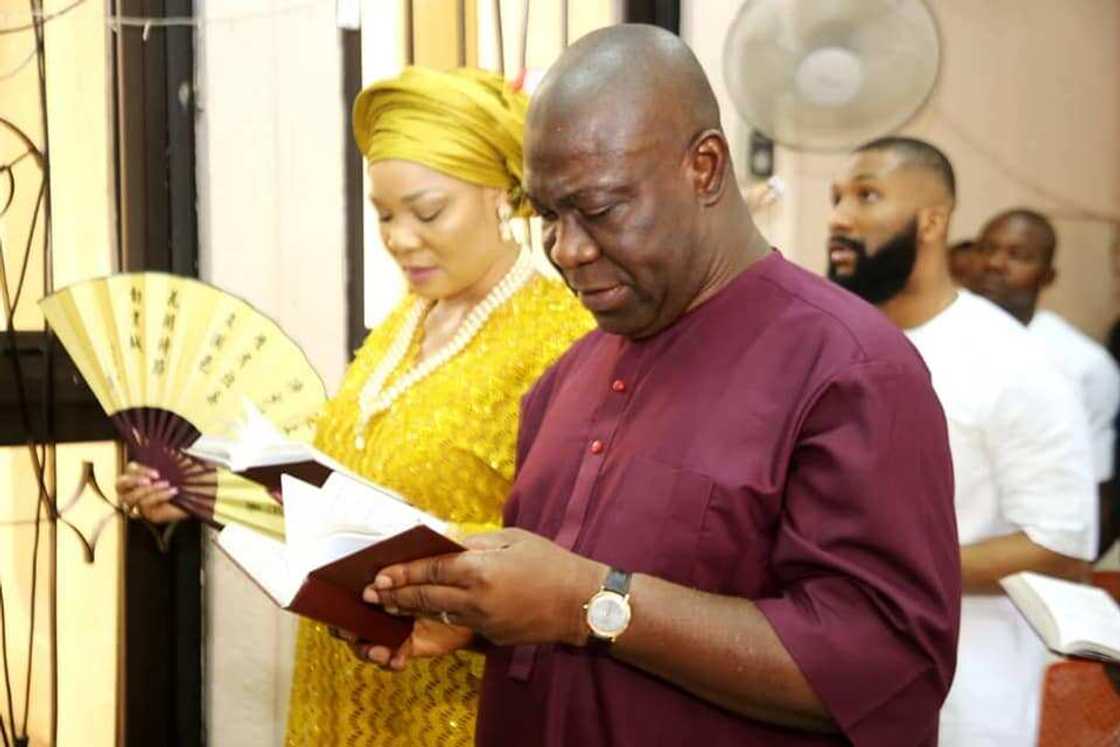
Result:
597,447
619,385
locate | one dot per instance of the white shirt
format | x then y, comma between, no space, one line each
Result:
1095,376
1021,462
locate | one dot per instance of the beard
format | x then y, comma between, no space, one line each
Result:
879,277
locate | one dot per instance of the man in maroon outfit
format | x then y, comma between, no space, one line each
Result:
732,522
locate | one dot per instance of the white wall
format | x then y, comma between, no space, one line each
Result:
271,141
1028,109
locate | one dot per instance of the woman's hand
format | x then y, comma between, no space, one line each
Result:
429,638
142,492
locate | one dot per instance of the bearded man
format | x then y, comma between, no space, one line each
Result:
1024,489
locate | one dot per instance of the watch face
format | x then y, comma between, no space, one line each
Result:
608,614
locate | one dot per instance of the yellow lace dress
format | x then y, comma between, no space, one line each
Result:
448,445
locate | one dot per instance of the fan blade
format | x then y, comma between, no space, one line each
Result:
830,75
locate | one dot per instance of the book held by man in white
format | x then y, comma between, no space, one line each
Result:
1071,619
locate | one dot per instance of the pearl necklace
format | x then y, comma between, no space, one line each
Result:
375,398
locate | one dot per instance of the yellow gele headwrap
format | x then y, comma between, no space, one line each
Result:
465,123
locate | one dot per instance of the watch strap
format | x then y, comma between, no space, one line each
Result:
617,581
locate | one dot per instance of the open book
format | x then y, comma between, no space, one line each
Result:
1072,619
338,537
258,451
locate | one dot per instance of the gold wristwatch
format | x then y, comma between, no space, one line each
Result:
608,610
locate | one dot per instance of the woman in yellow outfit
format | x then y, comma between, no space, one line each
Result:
429,407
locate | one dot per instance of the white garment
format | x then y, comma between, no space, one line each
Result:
1095,376
1021,462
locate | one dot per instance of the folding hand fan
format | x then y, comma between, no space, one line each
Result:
170,358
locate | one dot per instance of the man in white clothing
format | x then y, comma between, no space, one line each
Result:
1024,493
1016,249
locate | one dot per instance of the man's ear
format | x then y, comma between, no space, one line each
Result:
933,224
1049,275
709,162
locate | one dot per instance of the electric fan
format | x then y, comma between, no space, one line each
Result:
170,358
830,74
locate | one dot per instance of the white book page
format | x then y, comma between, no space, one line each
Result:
321,525
254,441
212,449
238,456
325,524
344,516
267,456
255,428
308,521
364,508
1082,614
264,559
312,540
249,441
335,547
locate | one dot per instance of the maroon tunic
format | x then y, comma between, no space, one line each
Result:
780,443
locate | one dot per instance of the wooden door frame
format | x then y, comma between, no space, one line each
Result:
158,229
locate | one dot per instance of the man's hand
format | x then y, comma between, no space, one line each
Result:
511,586
429,638
984,563
514,587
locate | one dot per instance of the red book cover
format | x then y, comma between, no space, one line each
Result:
332,593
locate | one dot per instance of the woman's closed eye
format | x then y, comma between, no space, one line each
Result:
428,215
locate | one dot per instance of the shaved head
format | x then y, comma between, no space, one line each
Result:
1017,250
914,153
891,202
627,75
627,164
1035,226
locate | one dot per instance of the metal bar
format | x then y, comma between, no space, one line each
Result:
498,34
524,34
409,34
355,199
565,12
462,11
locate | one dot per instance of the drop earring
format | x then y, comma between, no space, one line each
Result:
505,214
